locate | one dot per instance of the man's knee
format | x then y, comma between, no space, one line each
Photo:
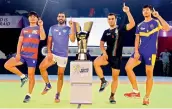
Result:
31,77
115,74
98,62
7,66
42,67
149,72
60,75
128,68
115,77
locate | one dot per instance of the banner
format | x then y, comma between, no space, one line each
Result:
95,51
10,21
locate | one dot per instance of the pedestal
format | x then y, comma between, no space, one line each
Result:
81,82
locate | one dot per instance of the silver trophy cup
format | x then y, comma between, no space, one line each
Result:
82,39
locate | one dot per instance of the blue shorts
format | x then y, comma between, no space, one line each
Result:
148,57
29,61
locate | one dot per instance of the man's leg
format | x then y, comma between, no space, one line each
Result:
11,66
114,85
43,69
164,69
31,75
59,83
168,68
98,62
149,81
61,62
149,73
131,64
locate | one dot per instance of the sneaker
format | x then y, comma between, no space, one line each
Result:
57,100
24,80
132,95
46,89
103,86
112,100
26,99
146,101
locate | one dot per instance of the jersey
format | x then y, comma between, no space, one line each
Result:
148,32
60,39
30,44
114,39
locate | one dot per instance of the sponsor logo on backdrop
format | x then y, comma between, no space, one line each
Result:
10,22
4,21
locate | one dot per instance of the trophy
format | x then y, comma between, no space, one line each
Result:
81,70
82,39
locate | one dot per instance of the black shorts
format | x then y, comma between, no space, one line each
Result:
114,62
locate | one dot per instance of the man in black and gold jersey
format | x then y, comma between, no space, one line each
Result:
112,55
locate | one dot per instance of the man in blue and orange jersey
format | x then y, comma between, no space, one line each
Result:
145,49
27,51
114,37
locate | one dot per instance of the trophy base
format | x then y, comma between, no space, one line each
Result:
81,74
82,56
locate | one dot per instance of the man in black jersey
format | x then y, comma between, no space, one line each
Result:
112,55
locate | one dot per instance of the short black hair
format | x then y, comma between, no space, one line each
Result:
148,6
33,13
62,13
112,14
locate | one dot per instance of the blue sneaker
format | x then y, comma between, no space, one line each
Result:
24,80
26,99
46,89
103,86
57,100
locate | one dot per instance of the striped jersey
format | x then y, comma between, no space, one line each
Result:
30,44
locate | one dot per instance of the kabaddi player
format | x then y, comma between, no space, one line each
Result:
27,52
145,49
57,46
114,37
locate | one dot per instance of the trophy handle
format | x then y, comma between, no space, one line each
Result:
88,26
78,27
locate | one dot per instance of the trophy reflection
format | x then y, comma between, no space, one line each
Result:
82,39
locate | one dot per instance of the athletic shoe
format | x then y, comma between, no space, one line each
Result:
132,95
26,99
24,80
112,100
57,100
46,89
146,101
103,86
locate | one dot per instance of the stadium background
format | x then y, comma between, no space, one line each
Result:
80,9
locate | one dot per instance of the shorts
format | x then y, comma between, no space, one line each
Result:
148,57
61,61
29,61
114,62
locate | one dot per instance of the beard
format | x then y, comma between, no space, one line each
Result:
61,22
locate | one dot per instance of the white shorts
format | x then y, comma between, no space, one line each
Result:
61,61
